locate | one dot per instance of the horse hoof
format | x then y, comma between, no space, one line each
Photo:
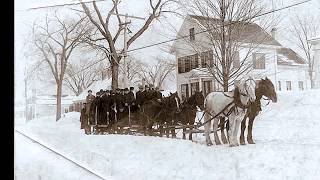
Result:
242,143
251,142
232,145
209,144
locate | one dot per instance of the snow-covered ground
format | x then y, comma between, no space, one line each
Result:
287,146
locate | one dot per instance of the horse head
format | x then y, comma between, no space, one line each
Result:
173,102
247,89
266,88
198,99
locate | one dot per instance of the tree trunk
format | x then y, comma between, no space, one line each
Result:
312,84
59,93
225,83
115,74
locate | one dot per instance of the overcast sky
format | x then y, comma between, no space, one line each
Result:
158,32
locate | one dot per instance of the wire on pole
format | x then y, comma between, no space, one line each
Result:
204,31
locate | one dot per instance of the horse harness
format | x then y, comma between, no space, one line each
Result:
235,105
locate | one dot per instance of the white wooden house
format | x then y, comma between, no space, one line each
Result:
286,69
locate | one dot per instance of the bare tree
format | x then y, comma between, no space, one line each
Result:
54,42
77,80
131,67
109,39
30,73
302,29
156,74
230,29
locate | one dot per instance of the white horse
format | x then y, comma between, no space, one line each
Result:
228,106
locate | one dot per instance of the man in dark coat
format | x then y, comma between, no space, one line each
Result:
112,106
120,100
84,121
104,103
146,93
129,97
89,100
153,93
95,109
158,93
139,97
105,107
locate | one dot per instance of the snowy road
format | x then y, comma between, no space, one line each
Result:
287,146
36,162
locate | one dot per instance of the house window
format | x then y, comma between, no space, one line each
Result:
236,59
207,87
181,65
194,61
184,91
194,87
300,83
206,59
279,85
191,34
187,63
259,61
288,83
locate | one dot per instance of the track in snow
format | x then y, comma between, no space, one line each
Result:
33,165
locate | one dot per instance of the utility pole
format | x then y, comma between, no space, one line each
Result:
124,78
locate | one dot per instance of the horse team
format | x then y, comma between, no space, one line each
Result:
150,113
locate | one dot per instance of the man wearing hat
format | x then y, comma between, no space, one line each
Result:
105,107
84,120
146,93
112,106
95,109
89,99
139,96
158,93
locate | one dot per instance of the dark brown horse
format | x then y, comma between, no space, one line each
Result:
264,88
188,112
160,112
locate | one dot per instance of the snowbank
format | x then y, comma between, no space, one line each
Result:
287,146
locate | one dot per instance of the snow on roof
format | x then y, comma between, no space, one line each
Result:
247,32
199,72
314,38
287,56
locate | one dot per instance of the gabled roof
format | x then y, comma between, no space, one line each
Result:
242,32
290,55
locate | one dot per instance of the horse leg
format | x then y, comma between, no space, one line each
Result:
215,129
161,129
223,136
167,130
173,129
231,130
249,137
237,125
243,128
207,125
190,133
184,133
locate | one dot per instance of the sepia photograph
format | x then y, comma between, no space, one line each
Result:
166,89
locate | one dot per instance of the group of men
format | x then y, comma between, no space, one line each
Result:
109,106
